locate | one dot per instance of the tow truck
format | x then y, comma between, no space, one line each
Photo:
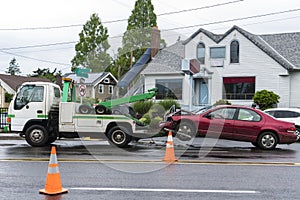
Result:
42,113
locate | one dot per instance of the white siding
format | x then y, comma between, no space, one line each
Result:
253,62
295,89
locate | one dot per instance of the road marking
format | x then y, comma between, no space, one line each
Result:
180,162
167,190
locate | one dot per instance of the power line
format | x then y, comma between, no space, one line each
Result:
184,27
38,45
118,20
31,58
235,19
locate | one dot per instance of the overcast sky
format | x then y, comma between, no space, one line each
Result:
21,21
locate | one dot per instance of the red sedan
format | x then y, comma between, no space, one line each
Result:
239,123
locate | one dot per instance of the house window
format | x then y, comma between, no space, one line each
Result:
201,53
106,80
101,89
217,52
234,52
239,87
110,89
169,88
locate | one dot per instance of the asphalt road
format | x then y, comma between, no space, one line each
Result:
94,169
154,150
95,180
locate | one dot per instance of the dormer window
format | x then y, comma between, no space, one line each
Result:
201,53
234,52
106,80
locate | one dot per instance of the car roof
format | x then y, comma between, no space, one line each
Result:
284,109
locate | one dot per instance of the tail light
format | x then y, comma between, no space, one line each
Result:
8,119
291,130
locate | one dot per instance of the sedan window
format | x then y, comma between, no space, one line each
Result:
223,113
248,115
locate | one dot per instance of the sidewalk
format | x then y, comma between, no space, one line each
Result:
10,136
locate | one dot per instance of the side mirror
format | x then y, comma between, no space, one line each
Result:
209,116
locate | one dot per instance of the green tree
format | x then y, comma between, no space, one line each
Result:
265,99
91,50
46,73
13,68
137,37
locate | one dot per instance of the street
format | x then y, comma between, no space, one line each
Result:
93,169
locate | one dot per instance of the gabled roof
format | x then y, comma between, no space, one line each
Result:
283,48
93,78
11,82
167,60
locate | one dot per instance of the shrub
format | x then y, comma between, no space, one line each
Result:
265,99
222,102
142,107
168,103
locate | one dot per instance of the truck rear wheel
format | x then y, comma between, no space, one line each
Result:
36,136
119,136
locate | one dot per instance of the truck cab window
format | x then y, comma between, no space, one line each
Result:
29,93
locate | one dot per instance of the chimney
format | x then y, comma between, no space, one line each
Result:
155,41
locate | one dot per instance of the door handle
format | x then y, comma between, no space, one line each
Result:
39,111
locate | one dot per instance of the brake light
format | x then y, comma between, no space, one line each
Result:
291,130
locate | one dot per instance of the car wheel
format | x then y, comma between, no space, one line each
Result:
84,109
185,131
36,136
51,139
297,132
119,136
267,141
100,109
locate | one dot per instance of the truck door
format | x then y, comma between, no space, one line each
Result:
29,103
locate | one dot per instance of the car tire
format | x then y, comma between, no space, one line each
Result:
36,136
119,136
267,141
185,131
254,144
298,132
84,109
51,139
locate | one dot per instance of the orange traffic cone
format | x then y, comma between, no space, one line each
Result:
170,154
53,184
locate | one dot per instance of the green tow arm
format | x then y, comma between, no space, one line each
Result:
115,102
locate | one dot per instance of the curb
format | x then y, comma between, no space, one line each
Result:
10,136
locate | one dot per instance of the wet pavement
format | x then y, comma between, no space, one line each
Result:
200,150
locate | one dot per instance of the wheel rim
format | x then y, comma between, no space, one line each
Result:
118,137
268,141
185,131
36,135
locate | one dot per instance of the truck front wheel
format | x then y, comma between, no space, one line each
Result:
119,136
36,136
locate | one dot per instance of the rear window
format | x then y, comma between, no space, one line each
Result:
285,114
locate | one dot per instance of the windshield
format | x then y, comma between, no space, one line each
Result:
29,93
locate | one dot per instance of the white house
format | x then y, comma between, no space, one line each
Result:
233,66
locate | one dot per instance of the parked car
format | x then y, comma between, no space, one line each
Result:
286,114
239,123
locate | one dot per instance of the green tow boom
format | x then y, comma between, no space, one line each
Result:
104,107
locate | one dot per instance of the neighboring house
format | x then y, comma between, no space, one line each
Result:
164,72
98,85
233,66
10,83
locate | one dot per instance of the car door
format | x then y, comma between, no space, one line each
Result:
218,123
248,124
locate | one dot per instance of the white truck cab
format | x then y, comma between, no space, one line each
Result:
32,103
